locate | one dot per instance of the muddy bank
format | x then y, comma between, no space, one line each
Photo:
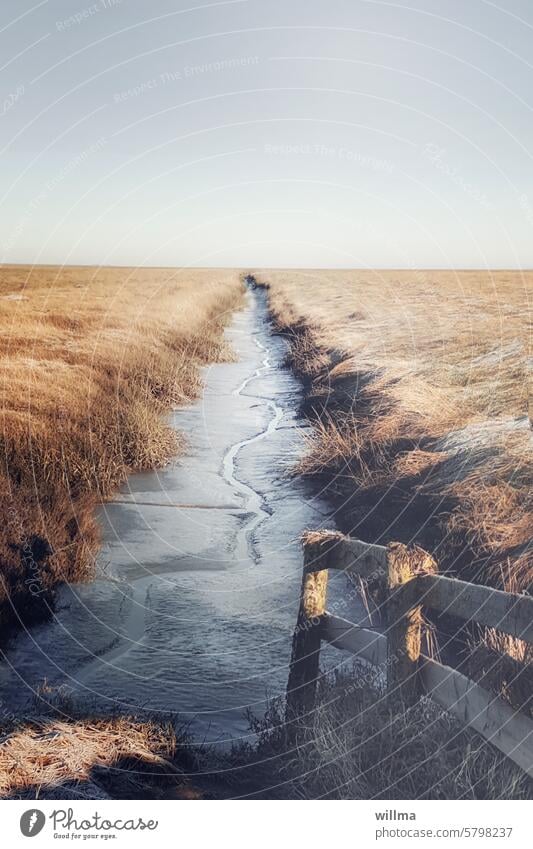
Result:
337,399
199,575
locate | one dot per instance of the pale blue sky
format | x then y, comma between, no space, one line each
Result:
267,132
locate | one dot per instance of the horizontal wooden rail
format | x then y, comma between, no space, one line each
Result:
370,645
331,550
411,583
508,612
511,732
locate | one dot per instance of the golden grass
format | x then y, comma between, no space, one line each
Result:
91,359
422,378
417,383
43,754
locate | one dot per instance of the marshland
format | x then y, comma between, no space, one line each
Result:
419,385
91,360
168,436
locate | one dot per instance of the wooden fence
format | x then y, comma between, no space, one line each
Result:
410,582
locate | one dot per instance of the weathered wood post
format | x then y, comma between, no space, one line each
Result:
404,619
304,668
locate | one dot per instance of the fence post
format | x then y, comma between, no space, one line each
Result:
404,620
304,668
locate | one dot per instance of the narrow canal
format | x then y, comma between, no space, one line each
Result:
199,574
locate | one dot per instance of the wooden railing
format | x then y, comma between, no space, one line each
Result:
410,581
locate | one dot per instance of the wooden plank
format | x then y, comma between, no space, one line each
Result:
511,732
342,634
507,612
333,550
404,620
304,667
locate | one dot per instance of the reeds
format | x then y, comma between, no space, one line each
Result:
418,385
418,388
91,360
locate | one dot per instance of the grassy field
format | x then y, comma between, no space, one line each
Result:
91,359
417,383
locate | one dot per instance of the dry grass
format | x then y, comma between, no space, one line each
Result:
418,386
62,748
421,382
43,755
64,752
91,359
355,745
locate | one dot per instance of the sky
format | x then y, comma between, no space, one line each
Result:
346,133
